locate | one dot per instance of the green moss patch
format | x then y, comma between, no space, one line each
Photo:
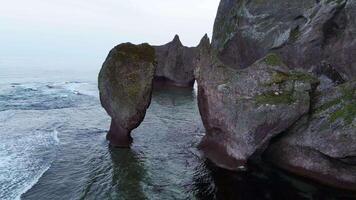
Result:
347,113
272,98
348,110
301,76
346,105
273,60
279,77
294,34
143,52
328,105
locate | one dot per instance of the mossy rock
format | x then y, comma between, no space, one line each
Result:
280,77
275,98
338,104
274,59
347,112
130,52
125,86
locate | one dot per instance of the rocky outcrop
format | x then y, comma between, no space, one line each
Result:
243,109
125,85
322,145
175,63
257,82
280,71
309,34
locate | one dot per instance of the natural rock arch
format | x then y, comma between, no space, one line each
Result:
127,77
258,79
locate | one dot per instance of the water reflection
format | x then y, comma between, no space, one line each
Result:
128,174
170,96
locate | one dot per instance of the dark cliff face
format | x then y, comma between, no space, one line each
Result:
269,71
308,34
175,63
243,109
322,145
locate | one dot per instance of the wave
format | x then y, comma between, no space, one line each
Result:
29,145
55,136
46,96
33,182
79,88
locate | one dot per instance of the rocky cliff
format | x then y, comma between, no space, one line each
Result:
175,63
321,145
276,83
243,109
274,70
314,35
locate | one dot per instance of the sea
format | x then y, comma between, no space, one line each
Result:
53,146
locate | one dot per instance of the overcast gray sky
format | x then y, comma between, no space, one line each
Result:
81,32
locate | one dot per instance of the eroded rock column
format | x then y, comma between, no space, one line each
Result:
125,85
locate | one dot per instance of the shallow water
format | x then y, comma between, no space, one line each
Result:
53,147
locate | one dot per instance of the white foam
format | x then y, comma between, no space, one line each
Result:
26,151
55,136
32,183
82,88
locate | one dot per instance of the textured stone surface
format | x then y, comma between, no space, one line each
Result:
175,63
125,85
243,109
255,83
314,35
322,145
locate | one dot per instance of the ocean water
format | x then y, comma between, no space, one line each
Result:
53,146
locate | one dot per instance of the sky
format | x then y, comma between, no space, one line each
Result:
78,34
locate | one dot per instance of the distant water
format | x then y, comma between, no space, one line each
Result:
52,146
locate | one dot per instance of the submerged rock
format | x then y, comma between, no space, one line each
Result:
243,109
125,85
175,63
322,145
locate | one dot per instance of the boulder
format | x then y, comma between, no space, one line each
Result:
125,85
322,145
319,36
242,109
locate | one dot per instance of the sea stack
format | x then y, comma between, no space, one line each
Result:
125,85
